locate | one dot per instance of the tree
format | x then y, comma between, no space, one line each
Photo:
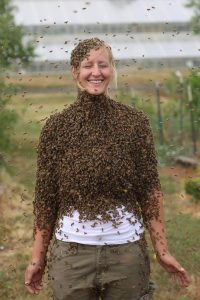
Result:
12,50
195,22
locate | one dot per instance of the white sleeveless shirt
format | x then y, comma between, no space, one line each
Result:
72,229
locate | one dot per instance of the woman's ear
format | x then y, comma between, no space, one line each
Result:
74,73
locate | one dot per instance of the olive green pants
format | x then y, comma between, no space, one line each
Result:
108,272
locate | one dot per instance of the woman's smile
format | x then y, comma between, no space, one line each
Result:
96,82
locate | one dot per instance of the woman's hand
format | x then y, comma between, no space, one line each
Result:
177,272
33,278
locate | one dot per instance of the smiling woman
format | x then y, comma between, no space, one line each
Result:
95,72
97,188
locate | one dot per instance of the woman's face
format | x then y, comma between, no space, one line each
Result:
95,72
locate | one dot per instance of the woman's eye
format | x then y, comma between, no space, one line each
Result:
87,66
103,66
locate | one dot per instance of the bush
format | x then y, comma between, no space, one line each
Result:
8,118
192,187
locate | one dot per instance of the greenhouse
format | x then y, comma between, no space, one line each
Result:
144,33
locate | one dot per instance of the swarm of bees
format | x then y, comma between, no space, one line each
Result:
94,156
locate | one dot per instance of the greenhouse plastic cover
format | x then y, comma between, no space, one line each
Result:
143,46
144,50
34,12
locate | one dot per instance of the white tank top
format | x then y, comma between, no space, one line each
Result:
72,229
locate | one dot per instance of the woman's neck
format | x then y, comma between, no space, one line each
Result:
84,97
93,107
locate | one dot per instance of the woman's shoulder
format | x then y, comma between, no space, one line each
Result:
50,122
131,111
56,119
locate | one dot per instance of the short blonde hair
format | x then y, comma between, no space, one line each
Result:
82,50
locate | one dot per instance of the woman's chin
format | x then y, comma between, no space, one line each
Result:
96,91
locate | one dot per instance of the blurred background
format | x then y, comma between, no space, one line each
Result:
141,33
156,47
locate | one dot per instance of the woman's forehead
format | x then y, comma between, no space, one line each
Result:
101,53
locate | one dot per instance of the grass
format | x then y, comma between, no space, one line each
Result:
182,231
168,186
126,75
16,207
182,228
32,112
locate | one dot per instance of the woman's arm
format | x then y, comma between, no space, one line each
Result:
151,203
35,270
40,245
157,233
45,205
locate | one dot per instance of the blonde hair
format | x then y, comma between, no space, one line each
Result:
82,50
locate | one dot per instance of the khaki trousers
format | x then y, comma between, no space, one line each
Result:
108,272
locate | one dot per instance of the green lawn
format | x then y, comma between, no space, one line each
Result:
16,207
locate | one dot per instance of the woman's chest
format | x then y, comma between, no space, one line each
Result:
97,149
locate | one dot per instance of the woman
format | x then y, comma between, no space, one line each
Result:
97,188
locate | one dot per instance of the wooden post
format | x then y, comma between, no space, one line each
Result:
160,119
189,90
181,97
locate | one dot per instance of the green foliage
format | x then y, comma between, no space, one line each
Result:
177,89
195,22
175,115
127,97
192,187
171,85
194,80
8,118
144,105
12,48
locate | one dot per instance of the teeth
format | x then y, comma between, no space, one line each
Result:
95,81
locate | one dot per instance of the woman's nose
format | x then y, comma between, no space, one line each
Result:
96,70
